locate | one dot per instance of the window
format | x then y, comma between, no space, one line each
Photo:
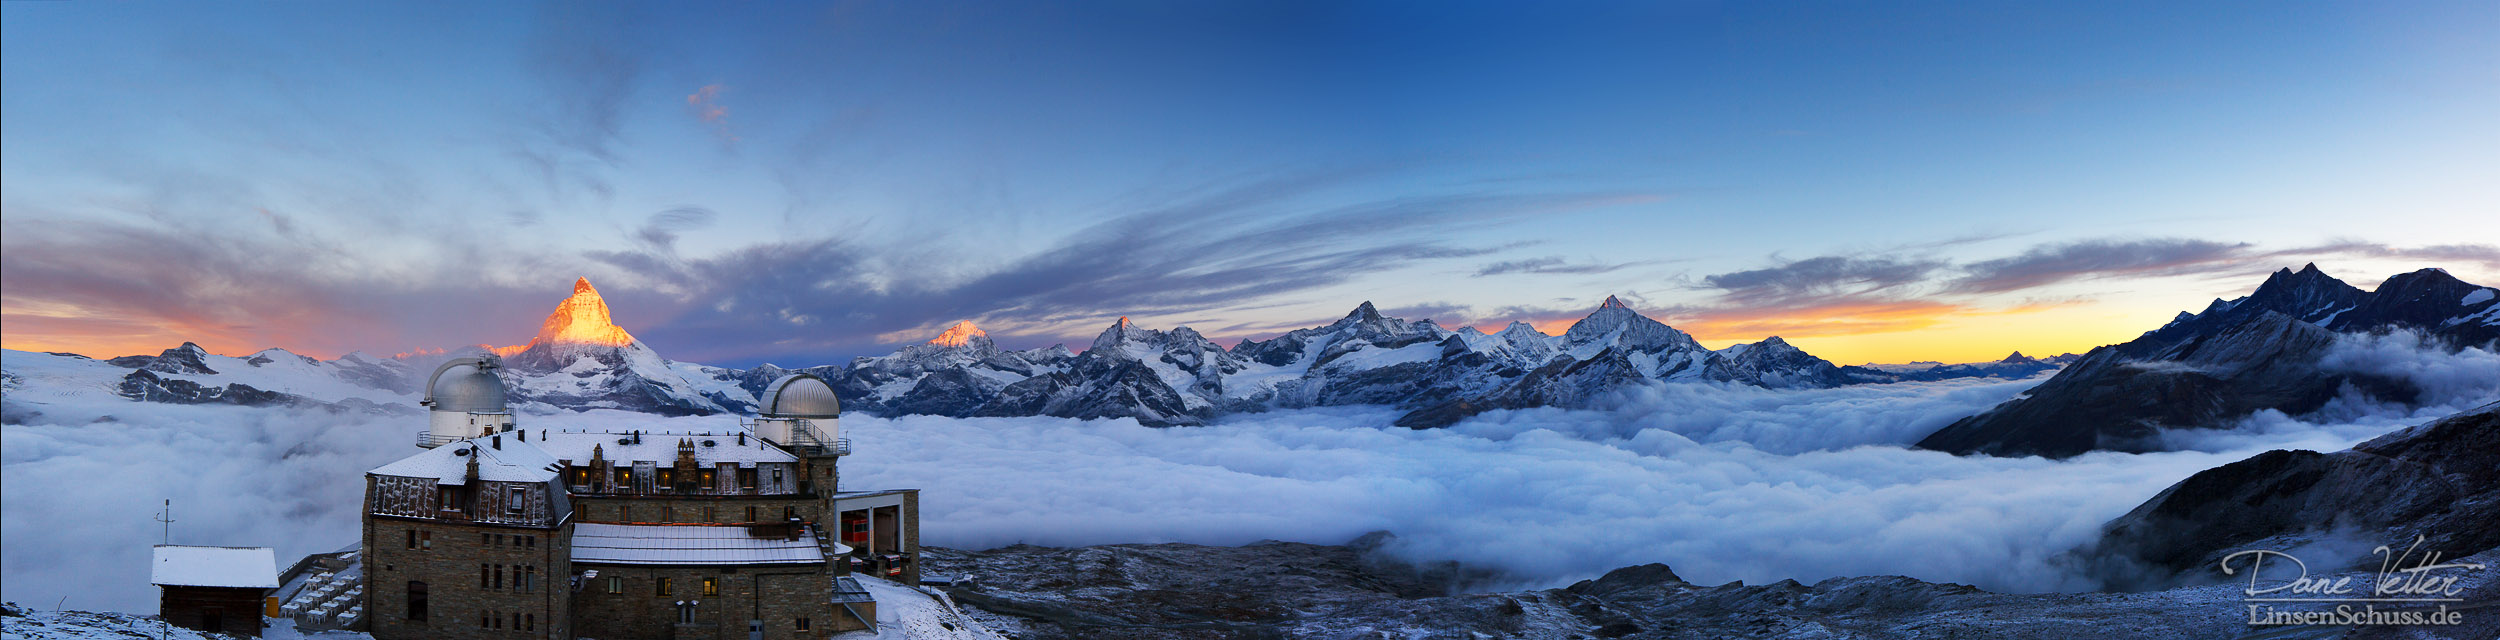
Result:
685,612
711,586
707,478
750,514
529,622
485,539
425,540
529,542
789,512
616,584
412,537
668,514
516,619
624,476
802,625
746,479
525,578
624,513
711,514
776,476
663,587
517,498
416,600
449,498
485,576
498,576
668,477
485,619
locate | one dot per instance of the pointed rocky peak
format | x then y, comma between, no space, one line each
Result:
1364,313
1121,332
582,319
1613,303
961,334
187,347
2018,357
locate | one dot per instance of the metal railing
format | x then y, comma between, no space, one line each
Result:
808,439
427,439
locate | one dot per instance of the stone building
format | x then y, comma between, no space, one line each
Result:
497,530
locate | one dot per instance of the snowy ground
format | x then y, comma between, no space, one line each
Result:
81,625
907,613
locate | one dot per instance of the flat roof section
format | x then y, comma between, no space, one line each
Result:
235,567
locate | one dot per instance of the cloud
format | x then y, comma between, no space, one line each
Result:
1820,278
1721,482
661,230
1554,265
2050,264
1223,250
706,106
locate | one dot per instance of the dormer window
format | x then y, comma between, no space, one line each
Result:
519,497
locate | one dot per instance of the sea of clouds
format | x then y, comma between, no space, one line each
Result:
1722,483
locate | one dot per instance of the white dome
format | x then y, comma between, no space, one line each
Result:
800,395
466,385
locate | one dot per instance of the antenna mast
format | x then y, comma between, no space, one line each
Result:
167,517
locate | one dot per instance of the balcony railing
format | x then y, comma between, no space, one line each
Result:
427,439
809,440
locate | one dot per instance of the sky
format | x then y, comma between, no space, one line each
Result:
803,183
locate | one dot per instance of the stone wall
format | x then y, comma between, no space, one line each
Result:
481,581
625,602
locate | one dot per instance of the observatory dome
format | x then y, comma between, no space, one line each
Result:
800,395
466,385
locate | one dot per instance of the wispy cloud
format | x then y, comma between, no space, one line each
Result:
1226,249
1821,277
1554,265
706,105
2050,264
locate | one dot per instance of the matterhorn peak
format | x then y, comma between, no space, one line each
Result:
959,335
582,319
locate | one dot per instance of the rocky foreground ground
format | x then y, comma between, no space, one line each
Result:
1293,590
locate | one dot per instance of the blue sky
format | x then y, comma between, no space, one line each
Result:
805,182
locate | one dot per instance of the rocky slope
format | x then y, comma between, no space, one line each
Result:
2207,369
1294,590
2439,482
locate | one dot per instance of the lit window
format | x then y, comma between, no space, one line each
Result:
663,586
711,586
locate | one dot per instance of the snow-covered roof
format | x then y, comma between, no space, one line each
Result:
658,448
512,461
240,567
686,544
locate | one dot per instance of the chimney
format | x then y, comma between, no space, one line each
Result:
498,442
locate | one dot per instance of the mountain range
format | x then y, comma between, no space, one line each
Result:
2202,370
2263,351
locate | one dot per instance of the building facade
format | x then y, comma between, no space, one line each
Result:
497,530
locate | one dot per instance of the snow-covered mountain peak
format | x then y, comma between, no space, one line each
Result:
1614,324
582,319
961,334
